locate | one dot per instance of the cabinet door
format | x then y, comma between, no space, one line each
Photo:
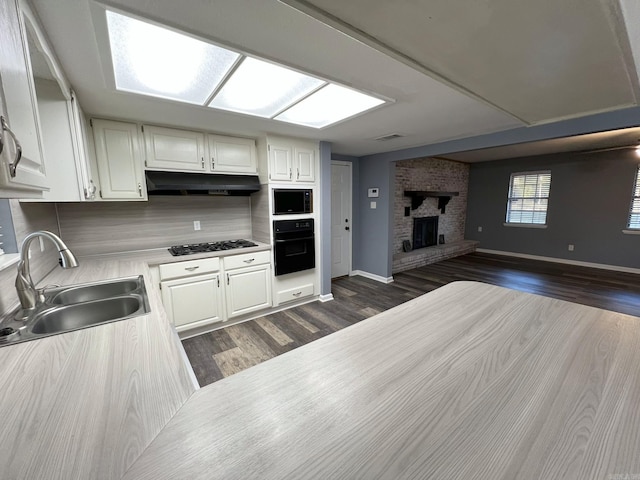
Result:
232,155
20,107
305,160
172,149
118,158
280,167
248,289
193,301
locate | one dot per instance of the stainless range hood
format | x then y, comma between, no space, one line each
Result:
177,183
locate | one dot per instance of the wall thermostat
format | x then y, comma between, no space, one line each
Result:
373,193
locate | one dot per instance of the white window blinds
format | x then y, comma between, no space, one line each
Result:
634,212
528,197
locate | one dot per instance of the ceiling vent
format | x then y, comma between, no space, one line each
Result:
390,136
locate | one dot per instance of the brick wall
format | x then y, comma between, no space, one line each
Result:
430,174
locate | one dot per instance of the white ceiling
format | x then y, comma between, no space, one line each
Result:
541,61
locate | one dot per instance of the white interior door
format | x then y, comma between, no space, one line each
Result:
340,219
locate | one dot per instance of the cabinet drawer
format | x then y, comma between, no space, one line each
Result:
291,294
247,259
190,267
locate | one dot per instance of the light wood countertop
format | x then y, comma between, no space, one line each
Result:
85,404
468,381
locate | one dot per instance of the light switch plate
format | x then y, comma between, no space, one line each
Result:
196,224
374,205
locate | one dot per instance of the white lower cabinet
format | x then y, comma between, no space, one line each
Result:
248,289
200,292
193,301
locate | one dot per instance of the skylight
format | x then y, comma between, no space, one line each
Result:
328,105
152,60
157,61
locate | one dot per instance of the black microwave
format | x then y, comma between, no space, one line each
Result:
292,201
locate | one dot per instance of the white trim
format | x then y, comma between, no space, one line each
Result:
631,232
372,276
525,225
326,298
601,266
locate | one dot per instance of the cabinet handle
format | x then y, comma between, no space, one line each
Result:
90,192
298,174
218,280
191,269
140,189
13,165
213,163
249,261
227,279
202,160
297,294
289,174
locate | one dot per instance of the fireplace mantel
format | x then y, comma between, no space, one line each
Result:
418,196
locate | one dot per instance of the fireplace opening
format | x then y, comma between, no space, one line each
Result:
425,232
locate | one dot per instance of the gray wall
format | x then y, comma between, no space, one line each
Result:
325,217
375,249
374,253
588,207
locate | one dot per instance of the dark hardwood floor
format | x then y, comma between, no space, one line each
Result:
224,352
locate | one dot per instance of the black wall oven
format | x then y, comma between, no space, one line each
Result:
287,201
294,245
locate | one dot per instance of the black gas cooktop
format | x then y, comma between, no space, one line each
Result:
192,248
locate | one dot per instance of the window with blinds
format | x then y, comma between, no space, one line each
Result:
634,212
7,235
528,198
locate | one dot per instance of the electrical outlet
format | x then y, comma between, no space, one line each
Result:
571,247
479,229
196,224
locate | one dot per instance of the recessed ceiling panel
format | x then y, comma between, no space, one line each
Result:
156,61
329,105
263,89
539,60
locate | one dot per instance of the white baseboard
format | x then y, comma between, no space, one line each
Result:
372,276
326,298
602,266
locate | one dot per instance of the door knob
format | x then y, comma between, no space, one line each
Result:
346,228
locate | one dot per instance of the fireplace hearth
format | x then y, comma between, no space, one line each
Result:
425,232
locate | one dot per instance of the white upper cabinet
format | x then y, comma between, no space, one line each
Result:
292,160
280,162
22,170
186,151
119,160
232,154
173,149
305,164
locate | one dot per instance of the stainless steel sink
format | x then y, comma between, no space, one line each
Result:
73,307
87,314
88,293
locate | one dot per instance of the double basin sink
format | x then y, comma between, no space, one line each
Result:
79,306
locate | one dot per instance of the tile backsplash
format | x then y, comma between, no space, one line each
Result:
108,227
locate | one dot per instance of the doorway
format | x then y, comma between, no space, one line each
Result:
341,225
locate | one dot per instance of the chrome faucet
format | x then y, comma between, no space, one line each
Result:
27,292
